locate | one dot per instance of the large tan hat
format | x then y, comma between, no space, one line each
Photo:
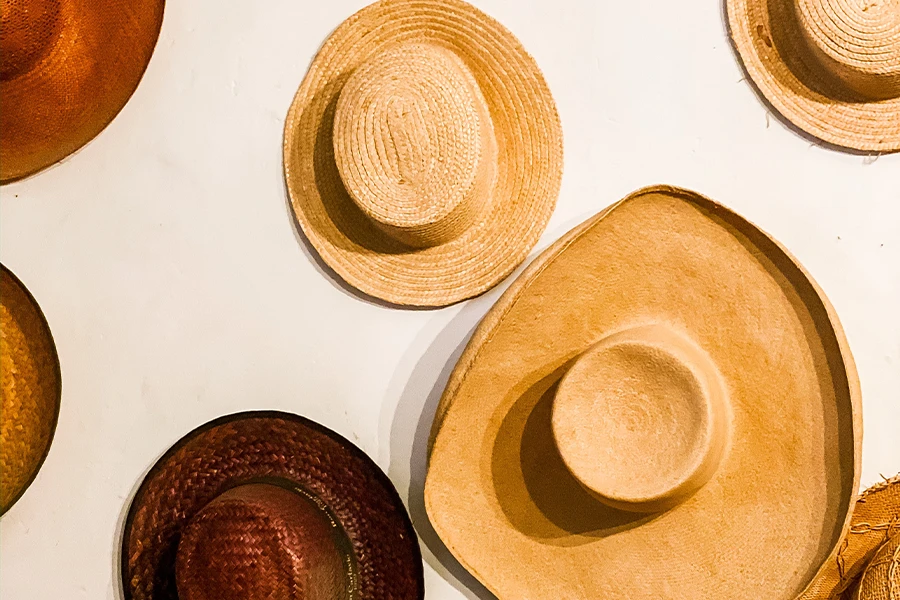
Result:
67,67
861,568
662,406
423,152
831,67
31,388
266,505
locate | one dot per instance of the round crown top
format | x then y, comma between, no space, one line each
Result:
857,41
261,541
414,143
641,419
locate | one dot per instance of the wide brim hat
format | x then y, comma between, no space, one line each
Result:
662,406
875,522
31,388
67,67
268,504
830,67
423,152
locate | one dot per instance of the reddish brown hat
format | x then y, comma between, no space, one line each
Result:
67,67
261,505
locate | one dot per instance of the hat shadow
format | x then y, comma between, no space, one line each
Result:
536,491
781,37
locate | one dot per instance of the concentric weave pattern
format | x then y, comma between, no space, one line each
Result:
242,448
831,67
528,165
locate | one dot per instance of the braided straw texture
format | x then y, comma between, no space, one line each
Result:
246,447
31,388
830,67
495,153
876,517
67,67
881,581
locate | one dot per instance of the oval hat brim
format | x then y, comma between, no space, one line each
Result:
876,517
503,501
773,53
267,445
79,86
529,170
32,389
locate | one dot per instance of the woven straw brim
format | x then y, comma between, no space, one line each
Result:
31,388
79,86
529,170
775,56
876,517
503,501
253,446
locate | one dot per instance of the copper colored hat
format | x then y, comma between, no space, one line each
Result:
423,152
662,407
831,67
263,505
31,388
67,67
870,543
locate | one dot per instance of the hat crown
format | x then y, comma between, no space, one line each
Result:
641,419
856,41
27,30
414,143
881,580
259,542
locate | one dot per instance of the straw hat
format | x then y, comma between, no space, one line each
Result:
831,67
423,152
881,580
662,406
262,505
31,386
870,543
67,67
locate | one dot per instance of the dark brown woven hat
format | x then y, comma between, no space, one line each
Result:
67,67
262,505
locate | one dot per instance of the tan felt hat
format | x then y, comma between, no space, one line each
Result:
662,406
875,521
831,67
31,388
67,67
423,152
266,505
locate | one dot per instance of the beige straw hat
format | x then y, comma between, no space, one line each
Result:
67,67
31,389
831,67
866,548
423,152
662,407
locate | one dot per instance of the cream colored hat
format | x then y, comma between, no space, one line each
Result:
831,67
423,152
662,407
862,567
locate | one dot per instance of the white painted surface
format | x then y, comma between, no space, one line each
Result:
166,259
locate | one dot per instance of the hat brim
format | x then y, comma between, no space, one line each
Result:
766,38
503,501
28,423
876,517
79,86
529,170
266,445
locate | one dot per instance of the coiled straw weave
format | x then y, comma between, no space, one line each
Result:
831,67
423,152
